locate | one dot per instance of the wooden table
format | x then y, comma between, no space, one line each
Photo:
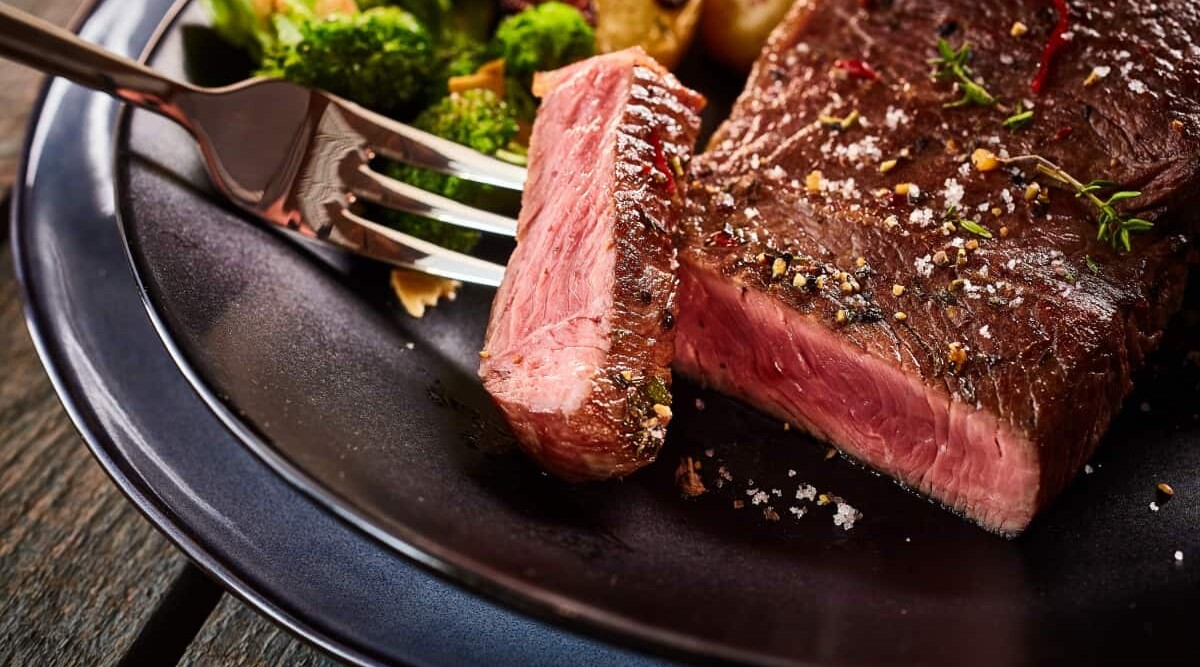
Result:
84,578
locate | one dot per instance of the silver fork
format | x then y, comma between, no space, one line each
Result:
293,156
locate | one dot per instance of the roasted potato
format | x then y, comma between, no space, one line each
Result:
734,30
664,28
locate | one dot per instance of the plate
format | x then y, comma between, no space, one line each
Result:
300,364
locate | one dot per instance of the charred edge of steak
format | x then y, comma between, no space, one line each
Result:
653,150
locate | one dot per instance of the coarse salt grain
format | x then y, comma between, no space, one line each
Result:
952,192
846,516
924,266
806,492
1153,506
1178,556
791,473
894,118
1088,469
921,216
985,331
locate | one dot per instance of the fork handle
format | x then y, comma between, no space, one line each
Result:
31,41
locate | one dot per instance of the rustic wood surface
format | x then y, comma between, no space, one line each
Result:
84,578
19,86
237,635
80,570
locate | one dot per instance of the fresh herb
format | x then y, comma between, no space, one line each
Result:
976,228
952,215
952,64
1091,264
1020,118
1111,225
841,123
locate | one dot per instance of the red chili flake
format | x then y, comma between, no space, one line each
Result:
856,69
1053,46
722,239
660,162
1063,133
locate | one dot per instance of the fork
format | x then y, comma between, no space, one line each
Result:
293,156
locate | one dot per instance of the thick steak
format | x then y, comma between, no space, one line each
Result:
979,371
581,336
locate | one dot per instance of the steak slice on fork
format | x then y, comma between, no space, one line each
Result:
581,336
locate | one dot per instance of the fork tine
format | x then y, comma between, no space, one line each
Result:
374,240
386,191
409,145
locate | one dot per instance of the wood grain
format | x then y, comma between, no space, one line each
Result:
80,569
19,87
236,635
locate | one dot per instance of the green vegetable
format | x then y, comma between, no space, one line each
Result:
475,118
459,30
249,26
542,38
381,58
457,54
430,13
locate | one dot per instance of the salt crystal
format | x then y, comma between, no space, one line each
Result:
952,192
409,346
846,516
1178,556
1153,506
806,492
1088,469
791,473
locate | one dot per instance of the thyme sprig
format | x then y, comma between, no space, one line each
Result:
951,63
1020,118
952,215
1111,225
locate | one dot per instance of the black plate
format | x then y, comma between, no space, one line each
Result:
306,360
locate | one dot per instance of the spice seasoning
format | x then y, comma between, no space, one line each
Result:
1053,46
856,69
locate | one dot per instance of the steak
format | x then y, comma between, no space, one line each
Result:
581,335
860,260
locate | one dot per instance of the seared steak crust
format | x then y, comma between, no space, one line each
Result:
581,335
1018,347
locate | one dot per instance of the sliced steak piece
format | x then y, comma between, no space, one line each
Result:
581,335
976,362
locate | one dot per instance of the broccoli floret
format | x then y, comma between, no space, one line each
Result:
252,24
382,58
431,13
475,118
543,38
459,32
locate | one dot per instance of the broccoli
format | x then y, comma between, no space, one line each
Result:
476,118
542,38
430,13
381,58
